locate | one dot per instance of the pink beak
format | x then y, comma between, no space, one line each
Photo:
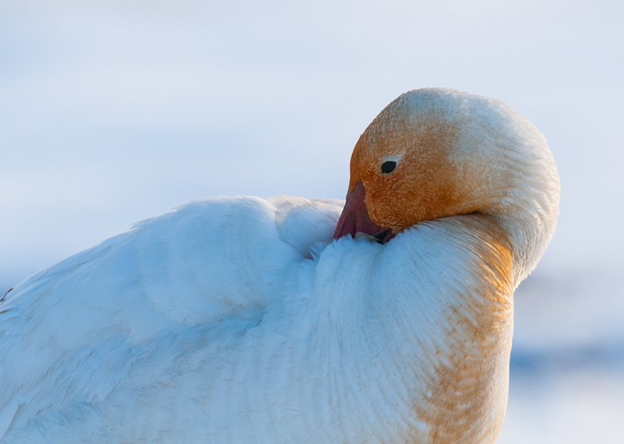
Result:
355,219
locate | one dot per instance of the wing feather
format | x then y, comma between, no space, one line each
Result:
71,333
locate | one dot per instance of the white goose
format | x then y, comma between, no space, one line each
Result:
240,320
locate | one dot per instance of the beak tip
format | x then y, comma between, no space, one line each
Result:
355,219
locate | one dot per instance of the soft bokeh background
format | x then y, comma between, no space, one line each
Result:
115,111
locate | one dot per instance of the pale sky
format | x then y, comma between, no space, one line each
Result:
116,111
113,112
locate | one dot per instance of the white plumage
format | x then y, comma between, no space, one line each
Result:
239,320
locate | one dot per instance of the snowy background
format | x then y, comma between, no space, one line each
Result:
112,112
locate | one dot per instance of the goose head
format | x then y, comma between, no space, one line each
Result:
435,153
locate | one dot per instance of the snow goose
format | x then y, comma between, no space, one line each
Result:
272,332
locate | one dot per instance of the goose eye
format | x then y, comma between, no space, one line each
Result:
388,166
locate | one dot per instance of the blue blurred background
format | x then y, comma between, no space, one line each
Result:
116,111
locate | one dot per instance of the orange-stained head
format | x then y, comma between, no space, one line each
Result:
434,153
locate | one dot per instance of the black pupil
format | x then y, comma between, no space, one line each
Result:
388,166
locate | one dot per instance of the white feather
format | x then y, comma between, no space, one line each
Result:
239,320
159,334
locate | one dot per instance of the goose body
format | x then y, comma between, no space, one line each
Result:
240,320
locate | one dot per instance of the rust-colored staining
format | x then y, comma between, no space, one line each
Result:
439,173
426,184
462,401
